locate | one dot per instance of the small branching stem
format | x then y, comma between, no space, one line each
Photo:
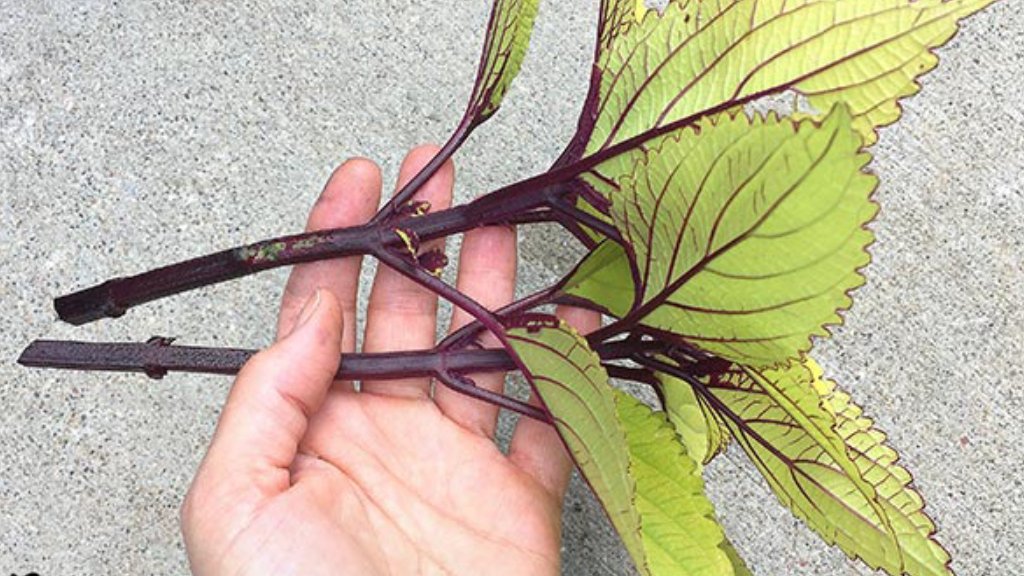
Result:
587,219
633,374
465,336
464,385
414,272
425,174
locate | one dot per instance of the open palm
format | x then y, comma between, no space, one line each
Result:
307,476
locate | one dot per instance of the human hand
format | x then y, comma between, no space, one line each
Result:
306,476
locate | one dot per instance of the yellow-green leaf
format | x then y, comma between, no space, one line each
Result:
568,376
739,567
705,56
746,234
631,457
698,425
831,471
877,462
603,278
617,17
508,36
678,530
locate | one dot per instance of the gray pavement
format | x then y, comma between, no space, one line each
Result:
137,133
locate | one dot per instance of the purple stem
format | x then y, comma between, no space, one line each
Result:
113,297
466,386
634,374
577,216
412,186
462,337
158,357
534,217
417,274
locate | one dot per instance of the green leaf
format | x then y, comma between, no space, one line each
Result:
679,532
746,234
739,567
828,466
569,378
617,17
508,36
701,429
877,462
604,278
630,456
712,56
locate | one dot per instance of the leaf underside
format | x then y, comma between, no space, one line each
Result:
617,18
745,235
700,428
678,529
650,488
827,463
742,236
508,36
603,278
708,55
569,378
877,462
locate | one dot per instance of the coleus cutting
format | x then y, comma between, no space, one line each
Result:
721,242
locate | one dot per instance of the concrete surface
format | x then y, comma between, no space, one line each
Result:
136,133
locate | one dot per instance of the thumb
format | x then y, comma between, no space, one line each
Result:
271,402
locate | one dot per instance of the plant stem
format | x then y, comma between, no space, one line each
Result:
534,217
425,173
634,374
417,274
158,357
613,329
577,216
113,297
462,337
466,386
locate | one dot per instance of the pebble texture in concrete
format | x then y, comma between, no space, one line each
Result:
137,133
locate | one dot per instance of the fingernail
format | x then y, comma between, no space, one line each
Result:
308,309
